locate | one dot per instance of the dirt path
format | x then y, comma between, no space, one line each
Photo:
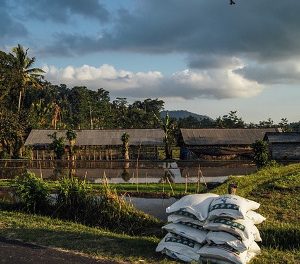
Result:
17,252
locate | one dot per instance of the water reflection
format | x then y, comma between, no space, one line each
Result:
130,172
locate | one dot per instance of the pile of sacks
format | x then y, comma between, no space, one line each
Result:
209,228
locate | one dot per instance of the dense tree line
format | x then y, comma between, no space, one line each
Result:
29,101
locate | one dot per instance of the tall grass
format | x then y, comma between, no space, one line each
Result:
77,202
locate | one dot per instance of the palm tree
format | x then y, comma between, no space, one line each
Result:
29,76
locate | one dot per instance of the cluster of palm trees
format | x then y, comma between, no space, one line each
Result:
28,75
17,74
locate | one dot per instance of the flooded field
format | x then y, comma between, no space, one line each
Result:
130,172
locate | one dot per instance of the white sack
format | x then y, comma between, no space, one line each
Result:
174,218
225,253
187,230
232,206
255,217
231,240
179,247
193,206
245,229
219,238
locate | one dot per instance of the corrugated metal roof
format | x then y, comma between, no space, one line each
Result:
204,137
286,137
99,137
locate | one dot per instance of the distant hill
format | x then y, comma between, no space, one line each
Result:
182,114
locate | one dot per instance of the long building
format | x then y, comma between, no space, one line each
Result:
284,146
225,144
98,144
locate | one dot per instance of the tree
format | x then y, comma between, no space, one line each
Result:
57,145
125,145
266,124
8,79
261,153
284,125
230,120
168,126
71,136
12,129
29,76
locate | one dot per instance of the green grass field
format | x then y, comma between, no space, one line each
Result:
276,188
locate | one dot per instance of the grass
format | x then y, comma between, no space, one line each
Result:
72,236
277,189
140,190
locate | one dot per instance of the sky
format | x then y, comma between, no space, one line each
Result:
204,56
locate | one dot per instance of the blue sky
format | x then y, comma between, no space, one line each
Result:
207,57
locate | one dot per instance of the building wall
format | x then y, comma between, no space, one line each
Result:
285,151
98,153
217,152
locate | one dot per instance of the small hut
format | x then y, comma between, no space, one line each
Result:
284,146
223,144
99,144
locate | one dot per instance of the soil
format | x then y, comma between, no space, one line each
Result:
18,252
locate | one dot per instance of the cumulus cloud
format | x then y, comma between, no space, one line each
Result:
186,84
62,10
212,34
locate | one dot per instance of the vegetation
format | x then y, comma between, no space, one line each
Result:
58,145
275,188
28,101
76,202
125,145
261,153
71,136
32,193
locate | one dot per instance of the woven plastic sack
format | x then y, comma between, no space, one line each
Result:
225,253
187,230
245,229
255,217
179,247
232,206
221,238
174,218
194,206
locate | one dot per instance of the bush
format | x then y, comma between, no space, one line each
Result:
72,199
106,210
32,192
261,153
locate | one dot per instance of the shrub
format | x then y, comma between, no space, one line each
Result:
115,213
32,192
57,145
72,199
106,210
261,153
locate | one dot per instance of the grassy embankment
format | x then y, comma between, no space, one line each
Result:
277,189
138,190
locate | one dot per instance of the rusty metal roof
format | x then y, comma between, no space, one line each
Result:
286,137
99,137
205,137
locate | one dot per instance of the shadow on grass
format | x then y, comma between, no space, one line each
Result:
103,244
285,237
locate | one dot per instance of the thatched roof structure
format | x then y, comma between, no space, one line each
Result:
215,137
286,137
154,137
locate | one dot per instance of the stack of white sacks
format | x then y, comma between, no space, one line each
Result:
209,228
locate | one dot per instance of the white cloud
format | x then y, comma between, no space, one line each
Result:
187,84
